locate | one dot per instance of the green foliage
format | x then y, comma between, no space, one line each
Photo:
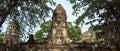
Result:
46,26
28,13
105,10
41,35
98,30
101,11
72,1
106,13
1,37
74,32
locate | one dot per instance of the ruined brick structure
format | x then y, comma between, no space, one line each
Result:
58,36
12,33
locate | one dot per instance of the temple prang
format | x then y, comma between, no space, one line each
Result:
58,36
11,38
12,33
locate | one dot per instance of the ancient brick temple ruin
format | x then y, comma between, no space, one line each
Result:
58,38
58,35
12,33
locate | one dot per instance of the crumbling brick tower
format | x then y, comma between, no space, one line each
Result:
58,36
12,33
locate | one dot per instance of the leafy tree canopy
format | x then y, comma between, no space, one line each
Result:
106,13
1,37
28,13
73,31
41,35
104,10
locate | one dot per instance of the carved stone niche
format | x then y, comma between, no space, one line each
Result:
58,39
58,36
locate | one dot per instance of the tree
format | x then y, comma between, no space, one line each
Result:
74,32
27,13
102,11
105,12
41,35
1,37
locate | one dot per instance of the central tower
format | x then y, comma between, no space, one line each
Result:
58,36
